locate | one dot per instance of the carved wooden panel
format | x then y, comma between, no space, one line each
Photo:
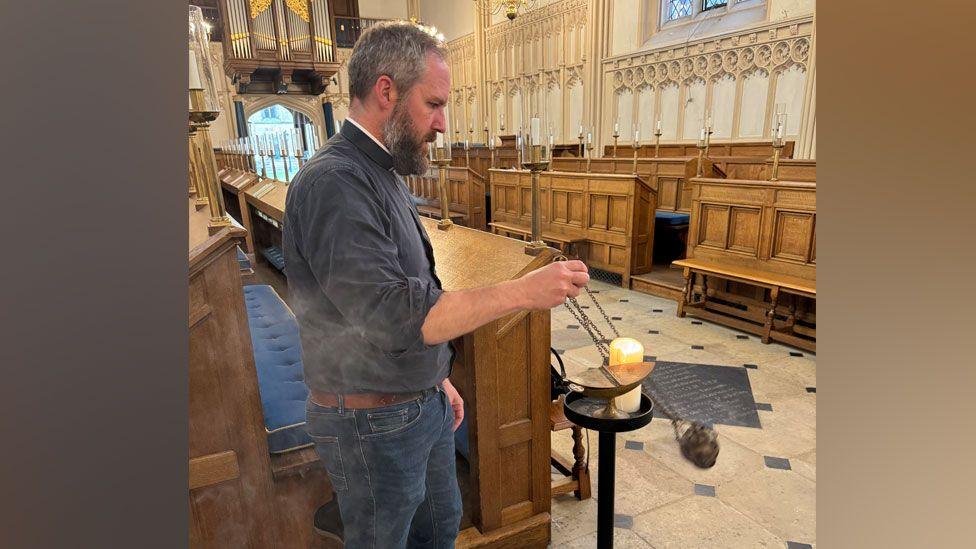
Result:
791,235
567,207
744,229
618,213
599,211
714,223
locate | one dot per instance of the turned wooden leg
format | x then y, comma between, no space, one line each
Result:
770,314
791,317
686,295
580,471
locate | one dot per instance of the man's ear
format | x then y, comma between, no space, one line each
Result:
386,91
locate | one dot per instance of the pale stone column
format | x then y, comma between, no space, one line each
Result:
807,143
597,46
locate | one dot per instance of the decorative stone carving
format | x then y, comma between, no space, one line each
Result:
800,50
763,55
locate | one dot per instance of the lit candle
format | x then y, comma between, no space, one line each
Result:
580,134
534,131
589,138
195,83
616,127
440,140
636,135
658,124
626,350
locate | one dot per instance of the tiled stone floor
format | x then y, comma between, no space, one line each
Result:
761,491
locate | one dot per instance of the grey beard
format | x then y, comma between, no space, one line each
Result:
408,152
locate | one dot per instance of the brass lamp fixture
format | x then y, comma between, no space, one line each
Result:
511,7
440,156
536,157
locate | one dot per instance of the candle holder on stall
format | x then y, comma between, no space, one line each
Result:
297,151
440,156
535,158
657,141
487,134
270,146
589,154
259,149
201,119
701,156
636,148
778,143
580,139
491,152
616,136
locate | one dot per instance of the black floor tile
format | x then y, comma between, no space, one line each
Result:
625,301
616,318
657,310
572,327
696,322
794,353
798,545
777,463
623,521
704,490
653,332
649,358
634,445
764,406
811,389
698,347
751,366
741,337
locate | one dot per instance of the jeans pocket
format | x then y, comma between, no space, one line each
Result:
393,421
331,455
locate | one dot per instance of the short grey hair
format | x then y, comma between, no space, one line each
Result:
397,49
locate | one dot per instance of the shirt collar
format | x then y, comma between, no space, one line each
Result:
366,142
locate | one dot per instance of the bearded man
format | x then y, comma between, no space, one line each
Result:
375,322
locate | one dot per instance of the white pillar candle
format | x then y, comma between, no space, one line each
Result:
580,134
626,350
616,127
658,124
282,144
534,132
636,135
779,131
337,126
440,140
589,138
195,83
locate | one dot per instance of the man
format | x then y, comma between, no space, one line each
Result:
375,322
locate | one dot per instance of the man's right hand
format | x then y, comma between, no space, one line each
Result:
549,286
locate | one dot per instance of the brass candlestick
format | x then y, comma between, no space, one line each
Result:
536,164
708,139
195,186
635,158
589,155
201,119
616,135
442,160
657,141
299,158
777,150
701,157
580,138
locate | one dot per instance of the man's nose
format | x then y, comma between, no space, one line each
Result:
439,124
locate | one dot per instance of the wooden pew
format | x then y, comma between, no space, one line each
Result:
612,214
467,190
751,258
743,148
761,169
239,494
233,184
265,203
668,176
502,372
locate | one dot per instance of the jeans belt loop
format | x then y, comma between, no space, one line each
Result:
342,403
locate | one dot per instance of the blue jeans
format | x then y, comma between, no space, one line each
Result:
393,471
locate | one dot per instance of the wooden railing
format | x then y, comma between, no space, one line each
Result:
282,30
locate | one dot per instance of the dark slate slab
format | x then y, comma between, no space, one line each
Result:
705,393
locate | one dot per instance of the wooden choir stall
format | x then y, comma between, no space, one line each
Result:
752,258
605,219
243,495
467,189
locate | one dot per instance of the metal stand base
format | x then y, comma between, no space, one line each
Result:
606,478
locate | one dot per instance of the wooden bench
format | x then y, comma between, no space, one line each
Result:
576,475
567,244
435,213
695,303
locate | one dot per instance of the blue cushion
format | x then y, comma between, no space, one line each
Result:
278,359
671,218
242,260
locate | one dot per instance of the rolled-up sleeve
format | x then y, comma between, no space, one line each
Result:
355,262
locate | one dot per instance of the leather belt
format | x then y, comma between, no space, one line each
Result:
365,400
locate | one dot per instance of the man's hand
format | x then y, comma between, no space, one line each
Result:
457,403
549,286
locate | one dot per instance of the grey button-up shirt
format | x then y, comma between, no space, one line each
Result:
360,272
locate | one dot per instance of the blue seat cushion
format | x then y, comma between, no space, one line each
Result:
278,359
671,218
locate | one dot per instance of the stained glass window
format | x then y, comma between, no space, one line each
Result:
678,8
709,4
